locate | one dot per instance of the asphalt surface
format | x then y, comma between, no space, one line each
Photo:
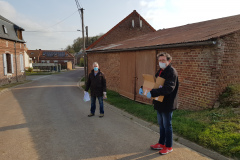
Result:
47,120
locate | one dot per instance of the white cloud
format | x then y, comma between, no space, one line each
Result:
171,13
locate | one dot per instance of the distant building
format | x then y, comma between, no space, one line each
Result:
27,59
11,52
52,56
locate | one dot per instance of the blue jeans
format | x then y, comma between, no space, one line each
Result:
165,125
93,104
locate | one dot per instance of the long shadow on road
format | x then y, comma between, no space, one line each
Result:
51,123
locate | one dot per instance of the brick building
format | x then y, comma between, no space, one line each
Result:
52,56
12,52
205,54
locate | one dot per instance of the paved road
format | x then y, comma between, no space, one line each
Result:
47,120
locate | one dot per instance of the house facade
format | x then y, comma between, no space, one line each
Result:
205,54
11,52
52,56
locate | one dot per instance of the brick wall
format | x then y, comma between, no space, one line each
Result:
229,61
109,64
7,46
125,31
195,67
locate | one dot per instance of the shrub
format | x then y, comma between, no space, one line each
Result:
30,69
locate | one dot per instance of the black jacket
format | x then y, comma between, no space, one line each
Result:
97,84
169,90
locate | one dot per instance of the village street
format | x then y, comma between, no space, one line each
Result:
47,120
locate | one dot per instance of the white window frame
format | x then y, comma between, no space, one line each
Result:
5,29
4,64
21,63
12,62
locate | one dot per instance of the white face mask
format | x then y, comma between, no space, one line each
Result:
162,65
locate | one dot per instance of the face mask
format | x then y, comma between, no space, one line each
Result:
162,65
95,68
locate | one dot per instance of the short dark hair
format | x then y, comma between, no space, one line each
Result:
164,54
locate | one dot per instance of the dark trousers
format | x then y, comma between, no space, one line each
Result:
93,104
165,125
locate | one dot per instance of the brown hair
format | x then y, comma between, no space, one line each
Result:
164,54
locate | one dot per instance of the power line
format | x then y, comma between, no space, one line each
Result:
50,31
62,20
55,23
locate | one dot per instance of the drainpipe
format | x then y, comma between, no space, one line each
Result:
16,59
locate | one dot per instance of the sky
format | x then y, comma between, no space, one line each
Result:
53,24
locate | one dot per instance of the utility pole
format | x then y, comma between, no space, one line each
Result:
84,52
80,10
87,35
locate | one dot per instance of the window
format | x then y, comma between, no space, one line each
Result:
43,61
55,61
4,29
8,63
48,61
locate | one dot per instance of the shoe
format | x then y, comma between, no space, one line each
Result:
166,150
101,115
90,115
157,146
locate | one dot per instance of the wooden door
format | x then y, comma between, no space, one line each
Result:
127,74
145,64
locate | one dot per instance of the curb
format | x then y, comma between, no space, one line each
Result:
10,88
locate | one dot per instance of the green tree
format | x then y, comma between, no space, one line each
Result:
78,44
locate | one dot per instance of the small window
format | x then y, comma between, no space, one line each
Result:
32,53
4,29
8,63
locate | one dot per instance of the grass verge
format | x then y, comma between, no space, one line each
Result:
40,73
13,84
216,129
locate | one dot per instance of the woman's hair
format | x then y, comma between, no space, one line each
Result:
164,54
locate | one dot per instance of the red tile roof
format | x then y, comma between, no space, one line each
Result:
111,30
196,32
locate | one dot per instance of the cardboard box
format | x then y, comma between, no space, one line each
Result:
151,82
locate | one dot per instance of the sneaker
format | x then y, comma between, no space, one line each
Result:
90,115
157,146
166,150
101,115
